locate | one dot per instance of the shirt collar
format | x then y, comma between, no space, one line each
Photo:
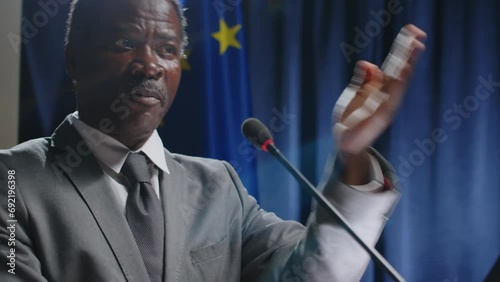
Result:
151,148
112,152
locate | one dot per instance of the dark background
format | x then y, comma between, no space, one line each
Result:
447,225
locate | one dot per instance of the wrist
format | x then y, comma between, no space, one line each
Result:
356,168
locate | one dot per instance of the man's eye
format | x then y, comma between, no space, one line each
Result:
168,49
125,43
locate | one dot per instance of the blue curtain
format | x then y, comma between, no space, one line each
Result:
443,144
46,95
294,59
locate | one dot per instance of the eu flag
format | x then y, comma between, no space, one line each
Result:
215,81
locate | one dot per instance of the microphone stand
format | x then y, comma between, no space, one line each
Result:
330,209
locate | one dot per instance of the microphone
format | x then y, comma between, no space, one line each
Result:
258,134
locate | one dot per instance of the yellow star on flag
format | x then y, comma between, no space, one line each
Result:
226,36
184,60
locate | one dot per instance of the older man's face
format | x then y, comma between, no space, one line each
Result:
130,71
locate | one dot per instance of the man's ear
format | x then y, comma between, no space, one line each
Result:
70,61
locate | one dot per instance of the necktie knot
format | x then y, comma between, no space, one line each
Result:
136,169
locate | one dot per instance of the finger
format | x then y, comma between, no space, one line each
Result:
365,124
360,99
350,92
395,91
419,34
396,87
355,139
343,101
367,109
359,74
372,81
417,49
402,71
402,51
372,72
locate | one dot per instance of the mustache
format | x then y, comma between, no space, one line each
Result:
153,86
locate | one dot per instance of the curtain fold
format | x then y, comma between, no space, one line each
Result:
443,143
294,59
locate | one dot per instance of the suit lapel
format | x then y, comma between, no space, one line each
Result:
174,195
88,178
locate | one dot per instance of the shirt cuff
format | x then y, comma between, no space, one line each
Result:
377,182
376,199
365,207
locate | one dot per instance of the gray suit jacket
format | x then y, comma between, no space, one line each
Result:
69,228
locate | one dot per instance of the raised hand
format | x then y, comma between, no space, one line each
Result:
368,104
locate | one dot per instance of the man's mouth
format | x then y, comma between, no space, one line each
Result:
147,96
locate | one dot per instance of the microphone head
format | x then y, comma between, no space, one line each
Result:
257,133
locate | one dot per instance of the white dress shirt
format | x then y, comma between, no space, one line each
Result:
111,155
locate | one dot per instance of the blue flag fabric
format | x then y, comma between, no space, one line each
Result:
215,77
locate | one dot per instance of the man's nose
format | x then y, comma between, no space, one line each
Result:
145,65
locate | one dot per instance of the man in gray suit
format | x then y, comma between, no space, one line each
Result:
102,200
